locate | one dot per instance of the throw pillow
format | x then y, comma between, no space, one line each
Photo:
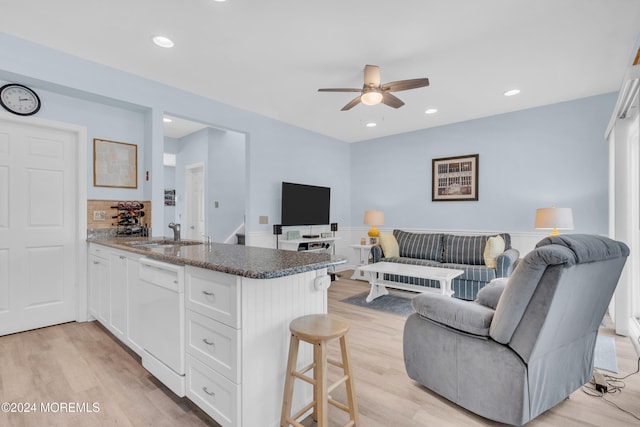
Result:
493,248
389,245
491,293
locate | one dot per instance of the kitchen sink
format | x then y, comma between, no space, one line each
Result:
162,243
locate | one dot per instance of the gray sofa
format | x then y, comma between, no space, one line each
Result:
528,341
450,251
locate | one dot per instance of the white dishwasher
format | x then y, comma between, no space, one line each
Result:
163,322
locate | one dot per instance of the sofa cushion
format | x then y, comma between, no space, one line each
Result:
460,315
419,245
389,245
493,248
476,273
464,249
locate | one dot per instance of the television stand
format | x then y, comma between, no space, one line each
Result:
318,244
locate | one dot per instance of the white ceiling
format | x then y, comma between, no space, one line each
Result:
270,57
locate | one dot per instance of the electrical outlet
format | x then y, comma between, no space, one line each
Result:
99,215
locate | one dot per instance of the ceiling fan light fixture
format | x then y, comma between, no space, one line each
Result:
372,97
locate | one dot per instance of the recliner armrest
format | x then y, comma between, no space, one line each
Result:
506,262
464,316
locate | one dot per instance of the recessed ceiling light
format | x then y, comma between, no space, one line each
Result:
219,1
431,111
166,120
371,124
512,92
163,41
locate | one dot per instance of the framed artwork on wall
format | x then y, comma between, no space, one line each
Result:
454,178
115,164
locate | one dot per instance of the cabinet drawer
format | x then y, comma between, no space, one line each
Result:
98,250
214,344
213,393
162,274
214,295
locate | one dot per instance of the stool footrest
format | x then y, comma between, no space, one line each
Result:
339,405
337,383
303,377
335,362
303,410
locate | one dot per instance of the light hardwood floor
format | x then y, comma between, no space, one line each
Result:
81,362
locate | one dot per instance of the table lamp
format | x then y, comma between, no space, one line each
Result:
374,218
554,219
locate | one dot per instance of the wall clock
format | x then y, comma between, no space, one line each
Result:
19,99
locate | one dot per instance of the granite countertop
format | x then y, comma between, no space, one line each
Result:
239,260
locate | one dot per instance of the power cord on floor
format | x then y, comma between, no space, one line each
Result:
613,385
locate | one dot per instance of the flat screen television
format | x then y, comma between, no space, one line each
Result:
305,204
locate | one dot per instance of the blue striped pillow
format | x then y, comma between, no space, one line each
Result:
419,245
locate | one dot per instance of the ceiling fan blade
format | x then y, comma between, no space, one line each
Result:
351,104
372,75
405,85
391,100
339,90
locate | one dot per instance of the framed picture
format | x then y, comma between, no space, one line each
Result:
115,164
454,178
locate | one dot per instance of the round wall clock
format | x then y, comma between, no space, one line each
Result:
19,99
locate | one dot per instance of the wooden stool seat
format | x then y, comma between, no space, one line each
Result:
318,330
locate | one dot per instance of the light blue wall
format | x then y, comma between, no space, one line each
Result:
552,155
193,148
276,151
226,183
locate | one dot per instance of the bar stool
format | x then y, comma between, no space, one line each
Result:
318,330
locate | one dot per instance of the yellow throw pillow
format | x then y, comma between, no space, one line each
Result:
389,245
494,247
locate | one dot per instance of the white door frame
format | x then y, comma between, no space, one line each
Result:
81,202
187,183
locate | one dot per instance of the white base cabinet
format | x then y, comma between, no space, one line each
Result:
238,340
113,292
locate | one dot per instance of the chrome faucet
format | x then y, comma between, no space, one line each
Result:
176,231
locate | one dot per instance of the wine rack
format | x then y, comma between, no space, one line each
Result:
128,219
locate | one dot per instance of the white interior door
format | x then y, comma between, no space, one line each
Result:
38,226
194,202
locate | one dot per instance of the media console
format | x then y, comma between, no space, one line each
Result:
320,244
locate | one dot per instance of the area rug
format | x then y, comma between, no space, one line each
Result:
391,303
604,356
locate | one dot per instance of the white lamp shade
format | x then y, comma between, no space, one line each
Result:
554,218
374,217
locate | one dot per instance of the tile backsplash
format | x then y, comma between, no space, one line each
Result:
100,213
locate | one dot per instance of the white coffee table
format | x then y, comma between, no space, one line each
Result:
377,270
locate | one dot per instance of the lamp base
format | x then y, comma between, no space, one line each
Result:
554,232
373,231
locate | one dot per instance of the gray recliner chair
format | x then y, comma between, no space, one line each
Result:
527,342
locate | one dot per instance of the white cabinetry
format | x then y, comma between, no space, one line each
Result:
113,292
237,341
98,270
213,343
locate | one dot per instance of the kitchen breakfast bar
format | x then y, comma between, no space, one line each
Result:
210,321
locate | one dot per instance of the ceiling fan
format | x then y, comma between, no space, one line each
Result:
373,92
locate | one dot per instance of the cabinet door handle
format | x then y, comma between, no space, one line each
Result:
207,342
209,294
210,393
122,257
96,262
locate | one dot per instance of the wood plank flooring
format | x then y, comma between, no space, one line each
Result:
82,363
